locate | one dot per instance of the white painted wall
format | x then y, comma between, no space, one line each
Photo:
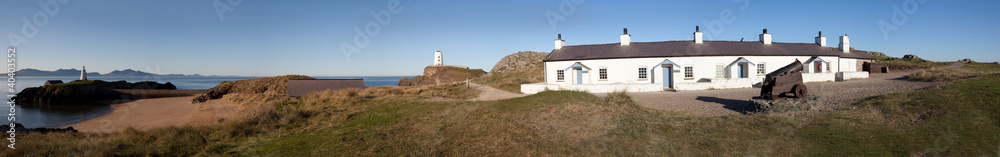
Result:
848,64
625,72
438,58
849,75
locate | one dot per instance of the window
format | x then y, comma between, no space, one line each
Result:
603,74
560,75
761,70
720,70
689,72
642,73
827,67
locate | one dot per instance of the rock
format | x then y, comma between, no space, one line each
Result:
440,74
18,128
912,57
783,105
519,60
877,54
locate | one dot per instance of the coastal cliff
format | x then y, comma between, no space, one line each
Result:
438,74
85,92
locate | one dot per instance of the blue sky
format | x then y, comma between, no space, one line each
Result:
267,38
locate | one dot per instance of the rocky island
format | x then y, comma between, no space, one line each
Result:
87,92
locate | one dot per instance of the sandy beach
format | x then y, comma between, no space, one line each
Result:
158,112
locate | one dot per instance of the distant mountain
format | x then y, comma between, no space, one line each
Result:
128,73
74,72
60,72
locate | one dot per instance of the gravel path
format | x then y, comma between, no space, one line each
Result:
489,93
735,101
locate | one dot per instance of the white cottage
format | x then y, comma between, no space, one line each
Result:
691,64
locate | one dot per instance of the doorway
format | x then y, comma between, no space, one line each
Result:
668,80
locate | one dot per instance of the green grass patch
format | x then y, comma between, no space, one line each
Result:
968,71
907,63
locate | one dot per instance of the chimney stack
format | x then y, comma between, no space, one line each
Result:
821,40
559,42
697,35
766,37
845,44
626,39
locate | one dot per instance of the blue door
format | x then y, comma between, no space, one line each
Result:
579,76
667,80
742,72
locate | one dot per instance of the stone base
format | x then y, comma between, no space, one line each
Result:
782,105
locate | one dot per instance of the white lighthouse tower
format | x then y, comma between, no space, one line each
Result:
83,73
437,58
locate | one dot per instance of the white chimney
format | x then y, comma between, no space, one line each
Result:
821,40
626,39
437,58
559,42
845,44
697,35
766,37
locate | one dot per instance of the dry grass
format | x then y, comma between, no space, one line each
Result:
511,81
969,71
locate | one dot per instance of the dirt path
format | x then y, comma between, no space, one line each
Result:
489,93
735,101
159,112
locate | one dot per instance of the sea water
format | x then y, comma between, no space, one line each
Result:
34,115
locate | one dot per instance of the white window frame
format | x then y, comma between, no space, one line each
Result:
827,67
689,72
602,74
761,68
643,73
720,71
560,75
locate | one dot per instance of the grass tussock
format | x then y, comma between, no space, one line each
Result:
969,71
511,81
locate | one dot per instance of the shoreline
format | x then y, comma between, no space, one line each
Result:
152,113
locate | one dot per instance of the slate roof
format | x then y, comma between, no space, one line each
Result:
689,48
303,87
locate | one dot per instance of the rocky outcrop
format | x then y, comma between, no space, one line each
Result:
877,54
84,92
440,74
519,60
20,129
912,57
785,105
268,85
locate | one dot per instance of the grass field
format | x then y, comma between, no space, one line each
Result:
959,119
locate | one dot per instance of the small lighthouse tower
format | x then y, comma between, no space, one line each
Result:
437,58
83,73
